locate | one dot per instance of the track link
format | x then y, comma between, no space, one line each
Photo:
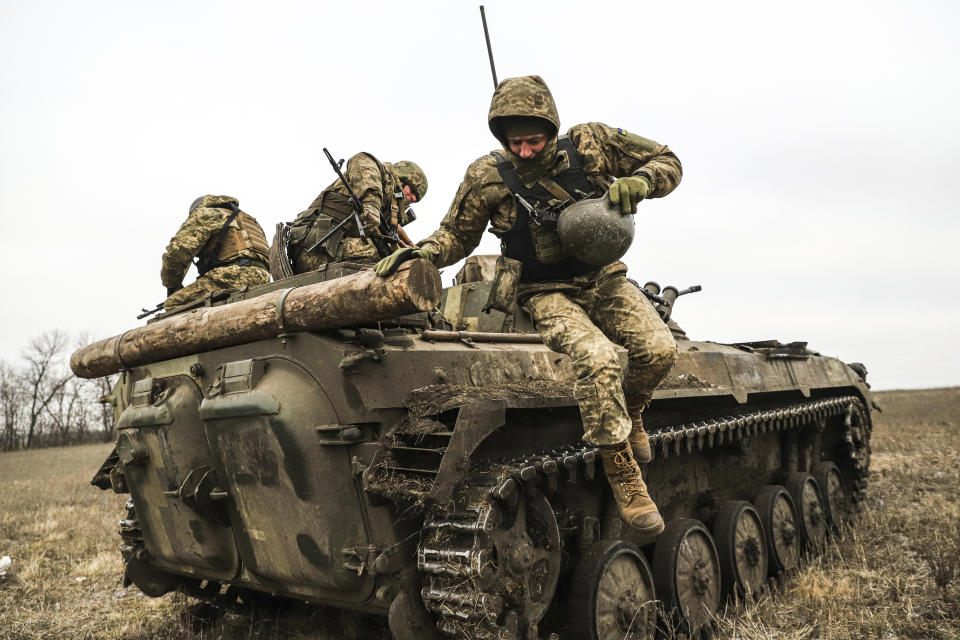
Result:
456,558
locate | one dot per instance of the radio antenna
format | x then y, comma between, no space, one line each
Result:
486,34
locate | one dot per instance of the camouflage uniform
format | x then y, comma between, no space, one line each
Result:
243,244
583,316
379,187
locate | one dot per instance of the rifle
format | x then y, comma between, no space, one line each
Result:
150,312
382,248
546,216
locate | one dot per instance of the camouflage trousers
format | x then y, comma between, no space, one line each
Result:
229,277
585,319
358,250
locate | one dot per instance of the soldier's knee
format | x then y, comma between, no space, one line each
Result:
598,362
658,350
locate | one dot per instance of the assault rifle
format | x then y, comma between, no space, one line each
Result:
382,247
545,216
150,312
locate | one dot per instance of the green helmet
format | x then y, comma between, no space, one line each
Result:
594,231
213,201
411,174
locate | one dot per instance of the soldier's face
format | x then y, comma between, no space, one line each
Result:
408,193
528,146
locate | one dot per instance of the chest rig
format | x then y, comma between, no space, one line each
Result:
517,242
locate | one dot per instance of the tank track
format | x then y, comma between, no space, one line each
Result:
456,559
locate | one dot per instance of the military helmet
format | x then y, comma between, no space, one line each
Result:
411,174
213,201
594,231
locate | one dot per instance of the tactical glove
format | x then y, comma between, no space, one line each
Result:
628,192
388,265
173,290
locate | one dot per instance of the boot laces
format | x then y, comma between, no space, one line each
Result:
628,476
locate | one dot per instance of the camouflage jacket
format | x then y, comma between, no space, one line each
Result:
378,188
483,199
202,225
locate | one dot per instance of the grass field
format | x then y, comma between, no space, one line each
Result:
895,576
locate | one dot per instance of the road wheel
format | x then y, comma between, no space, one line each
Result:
742,547
686,572
812,518
836,498
779,518
612,595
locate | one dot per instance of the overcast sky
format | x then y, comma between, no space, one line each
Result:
820,145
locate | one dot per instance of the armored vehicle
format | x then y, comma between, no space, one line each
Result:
422,459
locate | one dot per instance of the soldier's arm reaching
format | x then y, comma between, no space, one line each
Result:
201,225
481,200
365,179
646,168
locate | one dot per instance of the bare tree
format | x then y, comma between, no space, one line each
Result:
45,376
104,387
11,407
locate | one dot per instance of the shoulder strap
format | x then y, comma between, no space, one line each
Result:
209,260
508,173
573,156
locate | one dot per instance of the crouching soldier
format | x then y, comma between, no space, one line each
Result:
385,191
230,247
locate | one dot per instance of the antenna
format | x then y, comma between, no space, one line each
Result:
486,34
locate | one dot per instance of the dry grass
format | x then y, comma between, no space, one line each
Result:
895,576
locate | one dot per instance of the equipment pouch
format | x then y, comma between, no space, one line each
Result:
503,293
335,205
546,243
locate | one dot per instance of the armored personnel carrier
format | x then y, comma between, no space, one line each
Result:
387,446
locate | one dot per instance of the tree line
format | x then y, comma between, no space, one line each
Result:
42,404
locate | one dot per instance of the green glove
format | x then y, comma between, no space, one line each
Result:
388,265
628,192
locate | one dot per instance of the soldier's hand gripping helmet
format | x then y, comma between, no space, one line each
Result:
411,174
594,231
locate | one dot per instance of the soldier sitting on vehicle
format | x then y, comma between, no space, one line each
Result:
385,190
580,309
230,247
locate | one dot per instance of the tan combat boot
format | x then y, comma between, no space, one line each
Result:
638,440
623,474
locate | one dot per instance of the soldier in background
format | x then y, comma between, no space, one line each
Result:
385,190
579,309
230,247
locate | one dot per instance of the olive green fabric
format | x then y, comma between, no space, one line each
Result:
628,192
585,319
514,126
202,225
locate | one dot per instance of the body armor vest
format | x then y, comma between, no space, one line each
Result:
517,242
330,208
240,236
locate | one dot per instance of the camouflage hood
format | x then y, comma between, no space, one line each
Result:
213,201
526,96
